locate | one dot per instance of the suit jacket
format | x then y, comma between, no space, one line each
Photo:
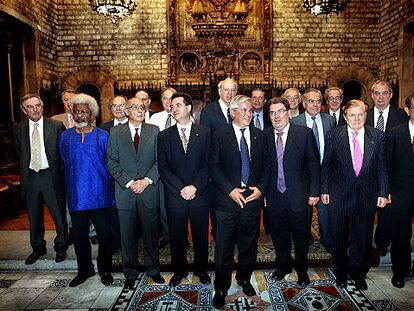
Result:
125,164
396,116
338,175
341,119
63,117
328,121
301,166
266,120
212,116
225,166
52,130
107,125
179,169
400,159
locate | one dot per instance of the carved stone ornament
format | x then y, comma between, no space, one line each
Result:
209,40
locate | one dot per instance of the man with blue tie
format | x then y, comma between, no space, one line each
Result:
294,184
183,151
320,123
260,117
354,182
239,168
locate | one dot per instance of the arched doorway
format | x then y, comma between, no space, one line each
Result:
92,90
353,89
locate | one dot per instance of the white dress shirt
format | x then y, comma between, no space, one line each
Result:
239,134
187,130
309,123
224,109
160,118
45,163
336,116
284,135
117,122
411,130
385,113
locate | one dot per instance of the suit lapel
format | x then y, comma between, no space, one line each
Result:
346,148
253,143
143,139
126,139
46,131
194,136
232,139
369,145
219,113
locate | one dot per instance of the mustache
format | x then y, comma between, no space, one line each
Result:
81,124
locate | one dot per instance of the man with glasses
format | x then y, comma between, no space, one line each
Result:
384,117
146,100
334,96
132,162
400,157
294,184
320,123
41,176
294,99
239,168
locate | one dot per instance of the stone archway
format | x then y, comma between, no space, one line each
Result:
361,75
103,81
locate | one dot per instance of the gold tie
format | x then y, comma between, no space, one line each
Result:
35,152
184,139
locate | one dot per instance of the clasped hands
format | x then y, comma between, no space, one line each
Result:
237,195
139,185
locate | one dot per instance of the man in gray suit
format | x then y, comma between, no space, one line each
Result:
132,162
320,123
41,175
66,117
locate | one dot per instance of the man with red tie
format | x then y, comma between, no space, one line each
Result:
354,182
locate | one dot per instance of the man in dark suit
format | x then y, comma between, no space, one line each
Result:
216,116
354,181
183,151
261,118
320,123
117,106
400,151
384,117
41,175
132,162
239,168
294,184
334,97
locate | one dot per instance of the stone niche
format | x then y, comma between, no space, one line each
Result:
212,39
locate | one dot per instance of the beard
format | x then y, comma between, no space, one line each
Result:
80,125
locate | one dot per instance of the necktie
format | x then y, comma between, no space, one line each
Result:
136,140
334,115
35,151
257,121
380,122
357,154
281,185
316,133
228,116
245,159
71,122
168,122
184,139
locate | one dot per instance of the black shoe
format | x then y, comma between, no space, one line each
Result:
361,284
175,280
60,256
303,279
382,251
204,278
94,240
163,243
219,299
279,274
106,278
341,282
129,283
33,257
247,288
81,278
398,281
158,278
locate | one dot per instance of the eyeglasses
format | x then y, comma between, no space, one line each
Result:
314,101
115,107
279,112
377,94
137,107
245,110
336,98
143,99
292,97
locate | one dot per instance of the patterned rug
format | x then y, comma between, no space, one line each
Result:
321,294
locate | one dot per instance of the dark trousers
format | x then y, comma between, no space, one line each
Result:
135,219
241,227
163,213
179,216
351,228
81,221
284,223
115,231
383,231
323,221
401,239
40,189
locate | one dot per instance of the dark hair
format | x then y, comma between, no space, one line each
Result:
185,96
409,100
277,100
